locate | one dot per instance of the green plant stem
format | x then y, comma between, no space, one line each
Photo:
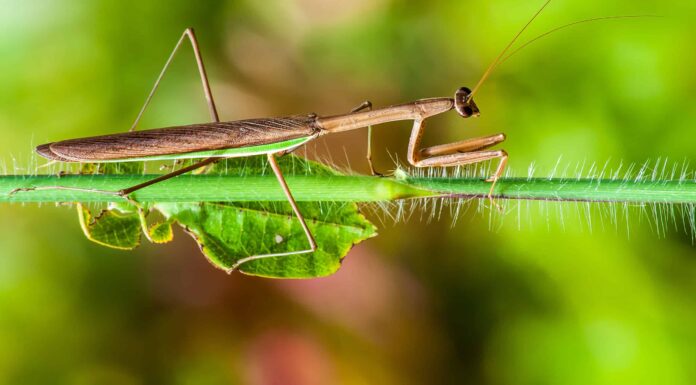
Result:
348,188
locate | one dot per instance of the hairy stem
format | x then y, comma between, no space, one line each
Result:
349,188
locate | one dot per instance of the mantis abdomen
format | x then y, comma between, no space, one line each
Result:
181,140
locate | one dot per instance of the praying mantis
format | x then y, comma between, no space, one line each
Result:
209,142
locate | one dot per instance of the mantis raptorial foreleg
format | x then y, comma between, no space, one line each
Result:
467,145
456,154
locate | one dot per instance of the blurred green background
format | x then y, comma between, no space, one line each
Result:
544,298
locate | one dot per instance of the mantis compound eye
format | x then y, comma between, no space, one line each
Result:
464,104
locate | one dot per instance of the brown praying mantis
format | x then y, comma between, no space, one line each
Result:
272,137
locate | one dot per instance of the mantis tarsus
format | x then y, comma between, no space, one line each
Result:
272,137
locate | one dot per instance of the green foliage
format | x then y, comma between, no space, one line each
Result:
113,228
161,232
227,231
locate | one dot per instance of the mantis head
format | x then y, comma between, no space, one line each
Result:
464,103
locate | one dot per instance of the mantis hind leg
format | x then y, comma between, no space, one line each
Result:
124,193
310,238
188,33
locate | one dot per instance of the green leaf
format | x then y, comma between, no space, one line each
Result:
229,231
119,225
161,232
112,227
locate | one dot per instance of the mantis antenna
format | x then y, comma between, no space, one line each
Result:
504,51
518,49
502,57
